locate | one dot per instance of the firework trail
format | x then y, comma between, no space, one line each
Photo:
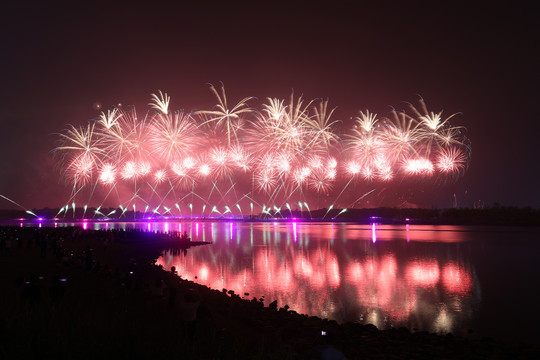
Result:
286,152
19,205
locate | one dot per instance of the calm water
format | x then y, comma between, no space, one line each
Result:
434,278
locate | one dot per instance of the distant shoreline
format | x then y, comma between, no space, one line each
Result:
498,215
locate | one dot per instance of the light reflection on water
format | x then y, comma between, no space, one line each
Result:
433,278
389,276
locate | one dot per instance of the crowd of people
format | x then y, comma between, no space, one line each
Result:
53,277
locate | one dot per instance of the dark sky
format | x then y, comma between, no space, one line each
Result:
57,61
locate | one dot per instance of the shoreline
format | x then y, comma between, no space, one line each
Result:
228,326
493,216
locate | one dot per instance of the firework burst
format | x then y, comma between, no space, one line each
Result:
280,154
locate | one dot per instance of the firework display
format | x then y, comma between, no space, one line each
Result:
230,157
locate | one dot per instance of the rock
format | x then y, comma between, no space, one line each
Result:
370,327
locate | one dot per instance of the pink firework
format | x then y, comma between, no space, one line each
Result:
204,170
282,163
385,174
160,176
126,137
330,173
129,170
320,182
80,169
189,162
368,173
301,175
107,174
265,181
451,160
383,167
220,162
419,166
353,168
365,147
399,136
286,149
315,162
331,163
240,157
172,136
143,168
179,169
83,148
180,174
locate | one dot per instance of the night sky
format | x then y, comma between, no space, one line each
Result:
59,61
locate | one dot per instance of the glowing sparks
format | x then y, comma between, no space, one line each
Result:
286,149
353,168
205,170
172,137
108,174
161,102
451,160
160,176
80,169
419,166
366,122
222,115
110,119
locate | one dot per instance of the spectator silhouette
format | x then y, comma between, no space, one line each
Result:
189,304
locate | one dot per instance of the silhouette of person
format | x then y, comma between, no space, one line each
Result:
189,304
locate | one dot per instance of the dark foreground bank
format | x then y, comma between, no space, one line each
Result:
69,293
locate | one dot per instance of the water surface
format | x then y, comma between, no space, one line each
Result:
471,281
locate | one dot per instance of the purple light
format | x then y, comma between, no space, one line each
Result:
373,233
84,225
